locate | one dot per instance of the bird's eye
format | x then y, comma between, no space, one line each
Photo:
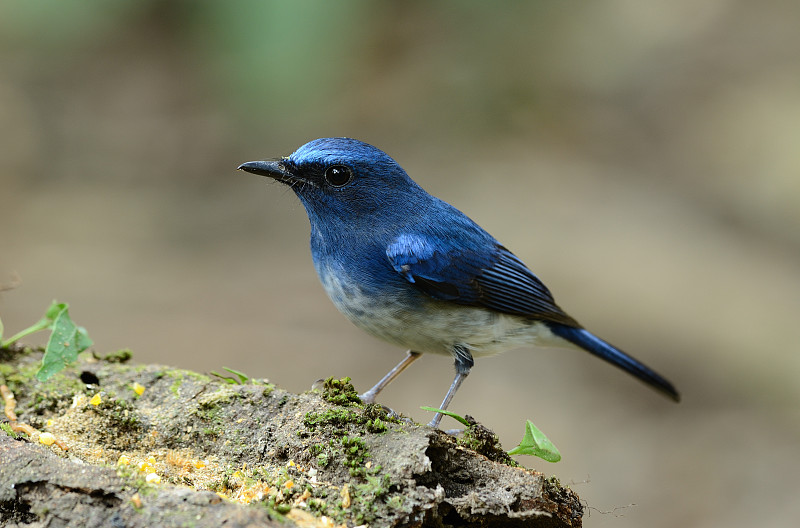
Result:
338,175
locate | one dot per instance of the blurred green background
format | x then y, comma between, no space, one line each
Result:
642,157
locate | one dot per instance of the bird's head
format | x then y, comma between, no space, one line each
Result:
341,178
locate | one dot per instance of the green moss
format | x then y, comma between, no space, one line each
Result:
225,394
335,417
373,418
212,431
396,502
37,398
317,505
376,426
352,450
179,378
175,387
7,429
177,381
135,479
325,454
551,483
209,414
340,392
196,376
6,370
119,356
482,440
356,453
122,414
370,492
24,377
377,412
323,459
366,498
209,409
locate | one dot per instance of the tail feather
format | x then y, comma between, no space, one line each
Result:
591,343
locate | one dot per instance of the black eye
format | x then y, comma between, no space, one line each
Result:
338,175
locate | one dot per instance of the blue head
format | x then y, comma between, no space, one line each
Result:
344,180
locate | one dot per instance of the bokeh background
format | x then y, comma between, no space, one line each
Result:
642,157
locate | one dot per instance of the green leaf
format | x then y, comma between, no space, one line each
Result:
535,443
242,377
65,343
447,413
1,330
56,308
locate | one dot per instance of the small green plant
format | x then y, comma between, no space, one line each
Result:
240,379
67,340
535,443
448,413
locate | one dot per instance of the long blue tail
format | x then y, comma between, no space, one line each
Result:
591,343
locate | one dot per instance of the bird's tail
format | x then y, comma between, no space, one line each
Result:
591,343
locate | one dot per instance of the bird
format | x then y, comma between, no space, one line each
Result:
414,271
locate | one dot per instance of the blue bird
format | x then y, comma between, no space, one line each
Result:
415,271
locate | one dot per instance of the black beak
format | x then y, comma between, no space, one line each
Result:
271,169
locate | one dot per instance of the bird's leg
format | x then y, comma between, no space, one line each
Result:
369,396
464,363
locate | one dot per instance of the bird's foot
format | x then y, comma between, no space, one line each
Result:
397,416
368,397
435,424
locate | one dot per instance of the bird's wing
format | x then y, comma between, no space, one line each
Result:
494,279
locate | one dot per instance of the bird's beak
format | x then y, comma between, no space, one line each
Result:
271,169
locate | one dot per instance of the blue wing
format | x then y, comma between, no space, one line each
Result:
497,279
493,277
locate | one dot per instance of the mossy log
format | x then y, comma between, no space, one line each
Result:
149,445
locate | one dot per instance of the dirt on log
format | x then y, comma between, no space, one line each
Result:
149,445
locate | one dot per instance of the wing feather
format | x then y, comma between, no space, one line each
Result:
494,279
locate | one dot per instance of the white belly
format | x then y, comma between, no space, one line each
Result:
431,325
